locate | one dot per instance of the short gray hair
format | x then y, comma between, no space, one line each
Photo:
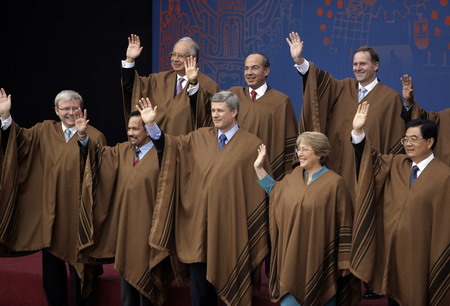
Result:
68,95
195,49
232,100
318,142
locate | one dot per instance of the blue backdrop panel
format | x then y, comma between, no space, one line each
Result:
411,37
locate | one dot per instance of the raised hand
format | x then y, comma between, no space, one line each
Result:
407,89
5,104
360,117
134,48
81,122
148,112
190,67
259,162
296,46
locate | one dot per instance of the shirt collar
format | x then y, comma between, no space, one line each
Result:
422,165
230,133
145,148
370,86
260,90
73,129
316,175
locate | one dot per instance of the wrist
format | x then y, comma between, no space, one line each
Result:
129,60
82,136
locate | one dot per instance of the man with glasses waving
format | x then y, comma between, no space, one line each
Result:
401,238
40,195
182,108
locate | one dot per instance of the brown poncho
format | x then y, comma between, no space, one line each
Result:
310,233
210,209
272,119
176,115
401,243
40,190
329,106
121,218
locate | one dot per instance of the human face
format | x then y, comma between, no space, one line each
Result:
420,148
254,72
223,117
180,53
66,111
136,132
308,158
365,71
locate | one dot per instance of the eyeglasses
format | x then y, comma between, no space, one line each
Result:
302,150
413,139
179,55
254,68
68,109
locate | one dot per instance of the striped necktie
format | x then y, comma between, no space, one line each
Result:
180,85
413,176
67,134
253,93
222,139
136,156
362,93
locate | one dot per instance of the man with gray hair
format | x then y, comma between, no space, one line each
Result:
40,194
210,211
182,108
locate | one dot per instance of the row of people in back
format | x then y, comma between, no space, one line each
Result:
224,252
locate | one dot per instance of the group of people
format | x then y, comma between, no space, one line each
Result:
212,184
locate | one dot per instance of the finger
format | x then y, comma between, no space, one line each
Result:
85,114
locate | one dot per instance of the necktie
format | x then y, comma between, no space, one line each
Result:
68,134
413,176
253,93
136,156
222,139
180,85
362,93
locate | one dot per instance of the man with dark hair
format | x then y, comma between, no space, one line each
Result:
182,108
329,105
268,114
412,110
122,182
210,205
401,238
40,194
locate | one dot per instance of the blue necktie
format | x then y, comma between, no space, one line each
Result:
222,139
413,176
362,93
67,134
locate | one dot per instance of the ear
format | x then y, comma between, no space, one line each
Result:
266,71
56,111
430,143
234,112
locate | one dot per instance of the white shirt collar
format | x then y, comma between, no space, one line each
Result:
73,129
423,164
370,86
260,91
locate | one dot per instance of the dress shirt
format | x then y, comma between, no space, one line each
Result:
229,134
6,123
73,130
260,91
